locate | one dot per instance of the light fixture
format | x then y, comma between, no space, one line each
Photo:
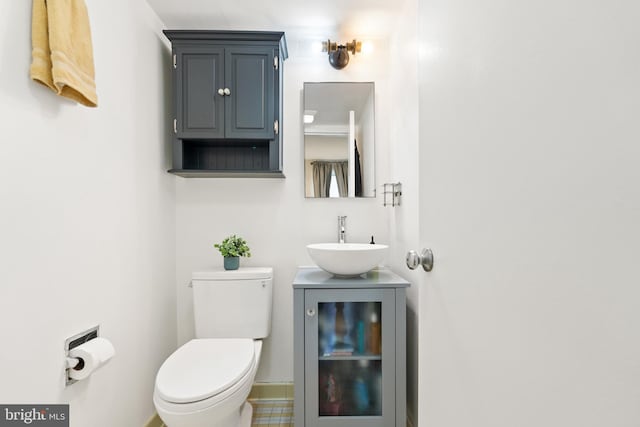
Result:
339,53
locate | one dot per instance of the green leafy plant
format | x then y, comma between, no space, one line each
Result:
233,246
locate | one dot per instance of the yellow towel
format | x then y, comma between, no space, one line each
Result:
41,55
62,52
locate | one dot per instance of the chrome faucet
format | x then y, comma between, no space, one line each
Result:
342,225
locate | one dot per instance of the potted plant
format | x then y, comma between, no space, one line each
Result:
232,248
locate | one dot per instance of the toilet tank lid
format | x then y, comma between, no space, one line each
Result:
246,273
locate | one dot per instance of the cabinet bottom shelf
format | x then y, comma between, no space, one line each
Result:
350,387
204,173
226,159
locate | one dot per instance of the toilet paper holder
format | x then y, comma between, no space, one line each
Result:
73,342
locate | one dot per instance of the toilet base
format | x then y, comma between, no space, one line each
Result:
245,415
239,418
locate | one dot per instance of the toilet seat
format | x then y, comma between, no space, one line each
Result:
203,369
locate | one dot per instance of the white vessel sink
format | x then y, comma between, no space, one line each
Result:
347,259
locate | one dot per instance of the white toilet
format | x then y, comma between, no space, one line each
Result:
205,383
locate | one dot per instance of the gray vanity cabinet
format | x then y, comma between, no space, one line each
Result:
227,92
349,350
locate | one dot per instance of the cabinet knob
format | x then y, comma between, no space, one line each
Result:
311,312
227,91
221,92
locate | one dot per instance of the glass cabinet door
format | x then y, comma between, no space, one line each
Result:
350,352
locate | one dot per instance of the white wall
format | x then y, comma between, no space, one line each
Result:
403,154
87,219
529,148
273,214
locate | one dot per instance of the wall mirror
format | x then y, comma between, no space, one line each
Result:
338,123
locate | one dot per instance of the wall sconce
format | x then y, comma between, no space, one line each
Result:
339,53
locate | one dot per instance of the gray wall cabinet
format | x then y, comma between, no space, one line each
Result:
227,92
349,350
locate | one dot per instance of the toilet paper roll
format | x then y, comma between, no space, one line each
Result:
94,355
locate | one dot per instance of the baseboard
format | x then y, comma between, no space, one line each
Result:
154,421
271,391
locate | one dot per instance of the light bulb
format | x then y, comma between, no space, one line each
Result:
316,46
367,47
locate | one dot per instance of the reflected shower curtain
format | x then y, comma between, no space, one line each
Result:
321,178
342,177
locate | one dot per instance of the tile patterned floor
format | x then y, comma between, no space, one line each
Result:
272,413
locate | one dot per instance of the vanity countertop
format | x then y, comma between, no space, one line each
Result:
314,277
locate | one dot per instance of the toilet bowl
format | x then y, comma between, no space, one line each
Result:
205,383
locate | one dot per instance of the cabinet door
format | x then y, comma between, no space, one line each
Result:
200,108
350,358
249,109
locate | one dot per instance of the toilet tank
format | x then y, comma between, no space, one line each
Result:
233,303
